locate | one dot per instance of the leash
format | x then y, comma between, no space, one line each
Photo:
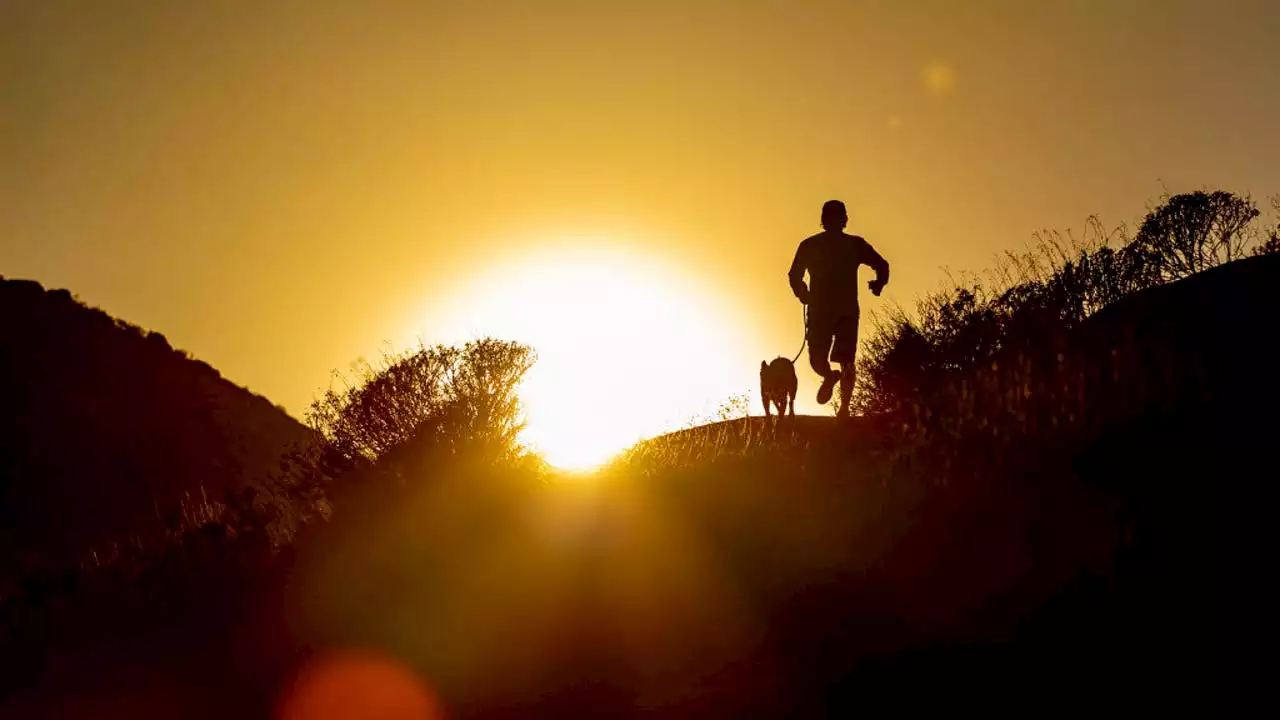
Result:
804,309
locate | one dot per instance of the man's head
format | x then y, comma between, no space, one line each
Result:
834,216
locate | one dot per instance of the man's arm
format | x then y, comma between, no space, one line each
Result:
880,265
796,274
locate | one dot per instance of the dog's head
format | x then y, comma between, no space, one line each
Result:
768,375
777,377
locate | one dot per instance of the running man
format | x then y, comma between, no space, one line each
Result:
832,258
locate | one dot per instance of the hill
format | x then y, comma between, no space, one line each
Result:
800,429
104,426
1078,526
1085,529
1085,520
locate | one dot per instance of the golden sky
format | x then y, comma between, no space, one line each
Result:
281,187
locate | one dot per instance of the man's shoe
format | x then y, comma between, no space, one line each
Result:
828,387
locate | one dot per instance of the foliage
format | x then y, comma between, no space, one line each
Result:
1272,242
1192,232
435,402
731,408
1033,299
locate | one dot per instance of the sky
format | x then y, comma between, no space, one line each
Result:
283,187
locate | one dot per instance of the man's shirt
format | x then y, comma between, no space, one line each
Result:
832,260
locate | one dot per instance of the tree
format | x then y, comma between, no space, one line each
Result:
440,401
1192,232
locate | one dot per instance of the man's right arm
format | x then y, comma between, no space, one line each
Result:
796,274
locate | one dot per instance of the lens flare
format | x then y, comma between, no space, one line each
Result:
351,685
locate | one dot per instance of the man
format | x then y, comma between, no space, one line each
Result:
832,258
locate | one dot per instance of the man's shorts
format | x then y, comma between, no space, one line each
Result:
836,334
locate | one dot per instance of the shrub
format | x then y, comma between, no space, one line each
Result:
1027,304
435,402
1192,232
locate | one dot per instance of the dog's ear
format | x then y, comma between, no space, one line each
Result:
763,365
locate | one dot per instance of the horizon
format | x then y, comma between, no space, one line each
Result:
281,191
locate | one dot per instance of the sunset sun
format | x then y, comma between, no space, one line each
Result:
626,348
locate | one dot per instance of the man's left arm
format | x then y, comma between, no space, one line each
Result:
880,265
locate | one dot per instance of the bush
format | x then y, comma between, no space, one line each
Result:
1031,300
418,407
1193,232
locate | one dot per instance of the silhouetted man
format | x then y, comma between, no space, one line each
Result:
832,258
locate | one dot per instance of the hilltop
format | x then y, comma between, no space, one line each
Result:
104,426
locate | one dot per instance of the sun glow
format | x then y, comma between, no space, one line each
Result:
626,349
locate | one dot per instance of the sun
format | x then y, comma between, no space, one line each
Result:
627,348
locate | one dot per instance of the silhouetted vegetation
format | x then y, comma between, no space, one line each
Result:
1028,305
412,417
1272,242
448,399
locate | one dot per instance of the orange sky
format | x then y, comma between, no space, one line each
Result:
280,187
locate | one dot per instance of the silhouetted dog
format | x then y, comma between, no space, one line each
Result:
778,386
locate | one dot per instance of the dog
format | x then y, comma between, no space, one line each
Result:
778,386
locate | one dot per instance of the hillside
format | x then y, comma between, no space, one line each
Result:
1092,532
1084,529
103,427
1102,538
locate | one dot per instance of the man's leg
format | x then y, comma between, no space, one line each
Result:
818,357
848,375
820,340
844,351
